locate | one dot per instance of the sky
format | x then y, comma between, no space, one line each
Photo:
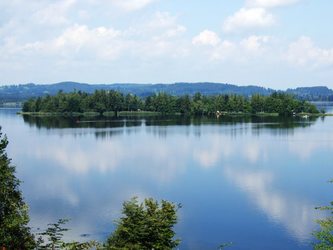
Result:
272,43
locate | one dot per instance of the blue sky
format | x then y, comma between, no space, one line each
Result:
273,43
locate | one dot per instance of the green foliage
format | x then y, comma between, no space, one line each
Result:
14,232
105,101
224,245
325,234
148,225
54,238
54,234
83,246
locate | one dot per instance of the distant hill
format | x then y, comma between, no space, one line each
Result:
320,93
16,93
25,91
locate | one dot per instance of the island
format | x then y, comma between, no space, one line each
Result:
114,103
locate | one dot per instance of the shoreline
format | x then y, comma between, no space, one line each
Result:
152,113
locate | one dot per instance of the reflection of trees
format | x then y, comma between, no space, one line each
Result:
282,125
107,134
50,122
279,125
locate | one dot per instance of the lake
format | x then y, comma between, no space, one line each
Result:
251,181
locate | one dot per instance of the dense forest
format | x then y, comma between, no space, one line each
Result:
105,101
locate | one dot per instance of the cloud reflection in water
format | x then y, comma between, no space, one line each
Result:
86,173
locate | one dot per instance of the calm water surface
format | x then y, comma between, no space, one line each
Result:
254,182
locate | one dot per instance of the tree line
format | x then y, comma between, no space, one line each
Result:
104,101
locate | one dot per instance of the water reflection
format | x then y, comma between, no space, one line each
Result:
254,181
295,214
158,125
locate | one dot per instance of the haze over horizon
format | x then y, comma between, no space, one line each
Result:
277,44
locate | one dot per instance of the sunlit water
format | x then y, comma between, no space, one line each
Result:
254,182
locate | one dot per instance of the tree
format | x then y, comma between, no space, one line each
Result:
115,101
257,103
54,234
14,218
148,225
54,239
325,235
132,103
184,105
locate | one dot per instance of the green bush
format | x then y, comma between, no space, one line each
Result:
147,225
325,234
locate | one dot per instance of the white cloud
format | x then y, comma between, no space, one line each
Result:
248,18
269,3
72,36
254,43
206,37
132,5
54,13
80,40
304,52
165,24
235,51
161,35
162,20
224,50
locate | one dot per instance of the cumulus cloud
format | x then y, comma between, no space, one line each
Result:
54,13
304,52
71,36
165,23
236,51
254,14
269,3
255,43
156,36
225,50
206,37
132,5
78,40
248,18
